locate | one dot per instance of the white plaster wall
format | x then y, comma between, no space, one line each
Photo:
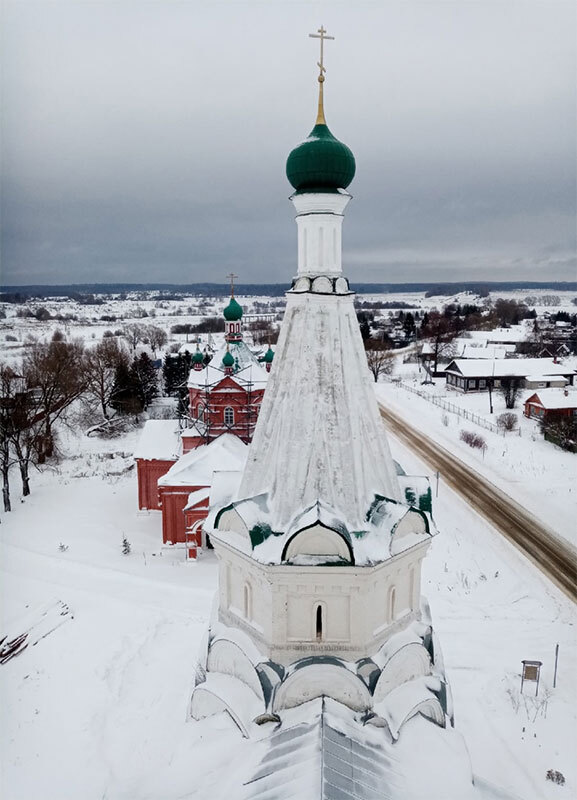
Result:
357,617
319,224
319,244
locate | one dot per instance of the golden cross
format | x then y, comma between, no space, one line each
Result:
232,276
321,34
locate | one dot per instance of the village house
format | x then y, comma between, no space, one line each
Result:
476,375
548,404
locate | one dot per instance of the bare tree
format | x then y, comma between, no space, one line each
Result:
101,364
7,376
380,359
510,388
134,333
440,334
57,376
156,336
21,424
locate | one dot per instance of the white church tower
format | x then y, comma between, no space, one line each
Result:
320,552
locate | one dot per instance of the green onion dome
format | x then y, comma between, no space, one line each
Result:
268,356
233,311
198,357
228,360
321,163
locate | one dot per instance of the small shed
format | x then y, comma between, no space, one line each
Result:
548,403
158,450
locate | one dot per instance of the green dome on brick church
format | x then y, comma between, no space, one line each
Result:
198,357
320,163
233,311
268,356
228,360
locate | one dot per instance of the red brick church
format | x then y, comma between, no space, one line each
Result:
176,464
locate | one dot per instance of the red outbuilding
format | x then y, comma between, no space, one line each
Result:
159,448
551,403
187,485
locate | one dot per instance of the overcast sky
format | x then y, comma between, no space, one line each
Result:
146,140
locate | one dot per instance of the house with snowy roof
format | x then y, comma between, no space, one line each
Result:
475,375
550,403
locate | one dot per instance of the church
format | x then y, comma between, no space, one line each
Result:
321,645
176,462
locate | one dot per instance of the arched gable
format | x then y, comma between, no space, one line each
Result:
321,679
318,540
227,657
411,661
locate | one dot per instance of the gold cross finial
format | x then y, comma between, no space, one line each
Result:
232,276
321,34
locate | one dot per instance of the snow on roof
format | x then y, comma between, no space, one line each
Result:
196,428
319,434
518,333
323,750
401,701
197,467
545,378
474,351
249,369
160,439
499,368
223,489
553,399
194,498
326,753
378,539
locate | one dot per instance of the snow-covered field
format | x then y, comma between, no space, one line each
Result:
98,708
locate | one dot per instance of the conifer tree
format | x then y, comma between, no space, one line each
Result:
144,379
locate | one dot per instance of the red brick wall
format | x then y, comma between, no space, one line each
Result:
148,473
227,393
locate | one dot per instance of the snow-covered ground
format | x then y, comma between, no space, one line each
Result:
539,475
98,708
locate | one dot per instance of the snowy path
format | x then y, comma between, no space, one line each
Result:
555,557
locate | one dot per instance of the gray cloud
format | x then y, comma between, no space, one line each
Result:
147,141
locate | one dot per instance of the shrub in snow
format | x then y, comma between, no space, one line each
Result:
507,421
474,440
556,777
62,547
125,546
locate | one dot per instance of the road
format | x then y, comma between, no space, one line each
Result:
555,557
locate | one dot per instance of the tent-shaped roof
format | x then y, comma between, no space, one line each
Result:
319,435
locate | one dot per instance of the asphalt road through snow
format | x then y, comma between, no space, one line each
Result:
554,557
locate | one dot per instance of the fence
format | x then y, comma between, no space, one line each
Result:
448,406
